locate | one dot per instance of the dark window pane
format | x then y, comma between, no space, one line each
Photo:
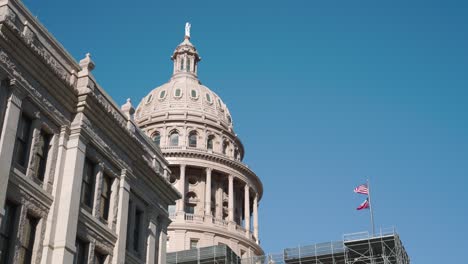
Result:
209,143
41,155
22,140
87,187
6,232
157,138
81,252
27,240
105,196
136,230
174,139
193,140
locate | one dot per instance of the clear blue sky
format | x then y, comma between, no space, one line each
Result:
323,94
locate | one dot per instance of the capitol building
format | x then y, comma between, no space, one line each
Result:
195,131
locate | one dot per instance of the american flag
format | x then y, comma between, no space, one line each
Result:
364,205
362,189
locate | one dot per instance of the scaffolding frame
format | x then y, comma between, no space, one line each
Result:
384,247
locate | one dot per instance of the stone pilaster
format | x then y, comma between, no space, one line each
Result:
7,141
68,201
122,219
182,190
151,240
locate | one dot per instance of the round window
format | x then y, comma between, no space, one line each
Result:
193,93
162,94
177,92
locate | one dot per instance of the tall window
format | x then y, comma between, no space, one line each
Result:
182,60
27,241
105,196
23,137
209,143
87,186
174,139
41,155
157,138
136,230
225,145
193,139
81,255
188,64
7,232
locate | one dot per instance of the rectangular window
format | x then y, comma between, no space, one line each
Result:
189,208
99,258
193,243
41,155
87,186
81,255
23,137
7,232
136,230
105,196
27,240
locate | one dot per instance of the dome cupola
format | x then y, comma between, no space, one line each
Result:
185,57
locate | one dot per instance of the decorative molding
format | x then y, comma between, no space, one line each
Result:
20,79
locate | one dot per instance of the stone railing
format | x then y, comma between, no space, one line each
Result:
220,222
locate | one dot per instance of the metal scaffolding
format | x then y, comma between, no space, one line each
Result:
357,248
221,254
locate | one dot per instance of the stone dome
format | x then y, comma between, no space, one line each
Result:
184,92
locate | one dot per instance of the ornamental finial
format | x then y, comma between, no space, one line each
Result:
187,30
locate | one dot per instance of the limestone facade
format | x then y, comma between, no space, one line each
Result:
79,181
194,129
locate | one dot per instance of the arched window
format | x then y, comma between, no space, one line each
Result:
188,64
193,139
157,138
209,142
182,60
174,139
225,146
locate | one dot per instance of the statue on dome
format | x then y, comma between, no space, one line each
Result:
187,29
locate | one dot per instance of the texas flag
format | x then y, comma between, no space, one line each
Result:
364,205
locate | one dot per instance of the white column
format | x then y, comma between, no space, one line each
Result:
208,193
7,143
219,201
151,242
255,217
182,189
67,205
122,219
231,199
247,209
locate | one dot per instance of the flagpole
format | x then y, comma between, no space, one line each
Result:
371,208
